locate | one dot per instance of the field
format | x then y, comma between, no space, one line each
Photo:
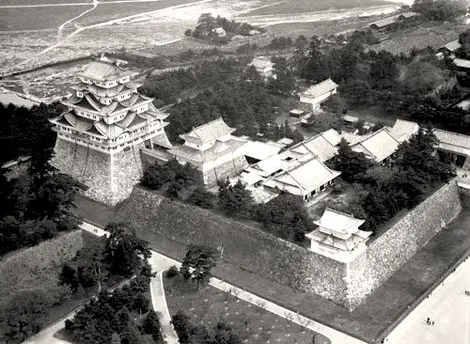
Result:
300,6
36,18
252,323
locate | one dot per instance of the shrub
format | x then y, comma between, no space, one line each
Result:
171,272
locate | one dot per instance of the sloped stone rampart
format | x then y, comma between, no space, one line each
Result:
244,245
254,250
38,266
392,249
109,177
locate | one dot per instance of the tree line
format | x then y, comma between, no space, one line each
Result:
36,205
383,190
284,216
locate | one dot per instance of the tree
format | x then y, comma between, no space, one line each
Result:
124,249
439,10
188,32
200,258
151,325
352,164
25,313
202,198
235,199
286,216
223,334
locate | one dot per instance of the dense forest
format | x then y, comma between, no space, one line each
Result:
36,205
226,88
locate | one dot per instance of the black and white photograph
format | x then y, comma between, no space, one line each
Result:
234,171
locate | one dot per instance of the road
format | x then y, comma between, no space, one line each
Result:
448,306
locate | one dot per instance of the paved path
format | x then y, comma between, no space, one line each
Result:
161,262
448,306
160,306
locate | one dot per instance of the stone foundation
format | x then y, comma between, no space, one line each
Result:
109,177
287,263
222,172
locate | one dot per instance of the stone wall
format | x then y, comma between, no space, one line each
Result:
391,250
225,170
109,177
38,266
254,250
244,245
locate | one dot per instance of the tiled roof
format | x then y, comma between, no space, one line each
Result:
307,177
104,70
453,46
260,150
391,20
219,148
379,145
338,223
320,89
162,140
262,62
348,244
332,136
208,132
453,139
317,145
461,63
402,130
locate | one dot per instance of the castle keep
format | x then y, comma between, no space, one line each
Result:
100,135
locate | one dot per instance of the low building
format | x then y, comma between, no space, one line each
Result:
393,21
306,180
213,150
449,49
455,145
462,65
219,32
317,94
377,146
256,151
403,130
264,66
299,170
338,236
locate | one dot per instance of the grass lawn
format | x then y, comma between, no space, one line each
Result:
252,323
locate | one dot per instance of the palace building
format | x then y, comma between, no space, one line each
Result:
106,123
213,150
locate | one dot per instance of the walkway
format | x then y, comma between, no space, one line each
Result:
161,262
160,306
448,306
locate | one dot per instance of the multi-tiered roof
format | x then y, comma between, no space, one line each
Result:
106,112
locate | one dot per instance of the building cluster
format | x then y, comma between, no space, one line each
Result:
109,129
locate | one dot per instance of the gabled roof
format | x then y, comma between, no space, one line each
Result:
317,145
452,46
208,132
461,63
393,19
260,150
262,62
320,89
378,146
219,148
105,69
308,176
402,130
338,223
453,141
332,136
